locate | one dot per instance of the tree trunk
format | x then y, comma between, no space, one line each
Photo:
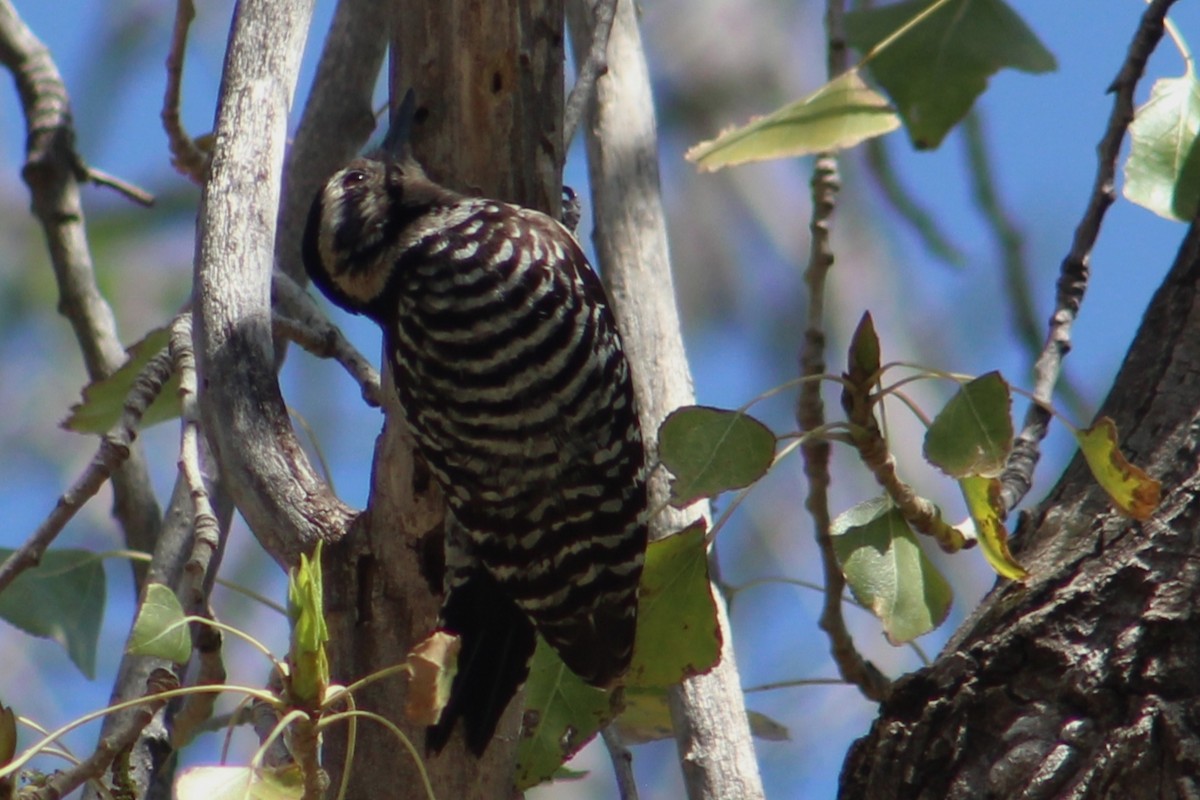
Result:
488,79
1084,682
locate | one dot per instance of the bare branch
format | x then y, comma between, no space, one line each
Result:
300,320
595,65
114,449
622,760
1075,270
120,186
286,504
186,156
810,408
112,745
52,172
707,711
207,536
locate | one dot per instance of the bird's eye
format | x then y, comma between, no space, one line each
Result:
353,178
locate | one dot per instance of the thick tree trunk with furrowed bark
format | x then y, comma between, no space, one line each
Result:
1084,683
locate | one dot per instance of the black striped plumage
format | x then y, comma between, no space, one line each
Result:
512,377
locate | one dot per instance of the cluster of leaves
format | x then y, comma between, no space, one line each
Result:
876,542
933,59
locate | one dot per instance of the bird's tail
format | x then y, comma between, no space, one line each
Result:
497,643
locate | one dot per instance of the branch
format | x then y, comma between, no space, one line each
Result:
595,65
52,171
284,501
810,408
298,319
1074,272
708,711
114,449
112,745
186,156
622,760
337,120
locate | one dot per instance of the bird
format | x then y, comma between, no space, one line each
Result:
513,380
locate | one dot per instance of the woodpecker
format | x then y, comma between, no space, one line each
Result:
513,380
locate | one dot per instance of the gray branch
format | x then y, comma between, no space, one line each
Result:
707,711
52,171
284,501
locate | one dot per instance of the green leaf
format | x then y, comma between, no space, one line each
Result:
973,434
160,630
309,662
62,598
837,116
983,501
934,71
1163,170
104,400
677,636
562,714
677,633
888,572
1129,487
240,783
710,450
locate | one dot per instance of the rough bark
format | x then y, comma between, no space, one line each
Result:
1084,682
488,81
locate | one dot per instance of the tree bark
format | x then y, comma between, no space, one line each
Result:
488,79
1083,683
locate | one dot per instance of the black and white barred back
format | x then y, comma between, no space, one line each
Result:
513,380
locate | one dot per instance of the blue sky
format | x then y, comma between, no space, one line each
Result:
741,321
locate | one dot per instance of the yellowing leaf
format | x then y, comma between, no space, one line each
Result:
710,450
983,502
1163,170
888,572
839,115
434,663
973,434
934,71
1131,489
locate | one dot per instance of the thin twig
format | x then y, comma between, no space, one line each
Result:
1074,271
622,760
595,65
112,744
186,156
302,322
113,450
119,185
204,519
1010,244
810,408
792,684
